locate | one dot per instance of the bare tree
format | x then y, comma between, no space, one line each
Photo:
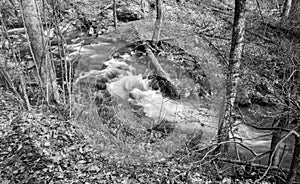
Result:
3,67
158,21
38,47
233,75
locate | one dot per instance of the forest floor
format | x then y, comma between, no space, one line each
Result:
47,146
43,147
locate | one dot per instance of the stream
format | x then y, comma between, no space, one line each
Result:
125,69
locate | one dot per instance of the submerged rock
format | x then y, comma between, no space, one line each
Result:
182,67
164,86
160,108
124,85
261,94
131,96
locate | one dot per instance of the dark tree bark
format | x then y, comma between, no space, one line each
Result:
295,166
233,73
158,21
276,137
115,13
45,68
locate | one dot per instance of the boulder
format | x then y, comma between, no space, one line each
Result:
129,13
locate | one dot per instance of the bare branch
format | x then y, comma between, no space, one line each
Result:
239,162
292,132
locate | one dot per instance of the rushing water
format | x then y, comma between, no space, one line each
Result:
128,81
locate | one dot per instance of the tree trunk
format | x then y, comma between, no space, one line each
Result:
286,8
4,76
38,47
115,13
233,75
295,165
10,84
158,21
276,137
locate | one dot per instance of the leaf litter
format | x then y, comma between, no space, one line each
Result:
43,148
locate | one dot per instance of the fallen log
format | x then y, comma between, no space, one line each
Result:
161,77
158,70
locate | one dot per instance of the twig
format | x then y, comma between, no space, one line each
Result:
292,132
224,61
262,128
255,34
239,162
259,9
282,154
216,167
3,70
16,30
260,155
23,85
108,6
220,143
11,85
261,37
289,78
249,149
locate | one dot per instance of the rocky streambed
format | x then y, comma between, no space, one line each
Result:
132,101
126,83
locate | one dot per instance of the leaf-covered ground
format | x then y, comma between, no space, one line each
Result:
42,147
38,147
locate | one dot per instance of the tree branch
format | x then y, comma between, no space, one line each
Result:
292,132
